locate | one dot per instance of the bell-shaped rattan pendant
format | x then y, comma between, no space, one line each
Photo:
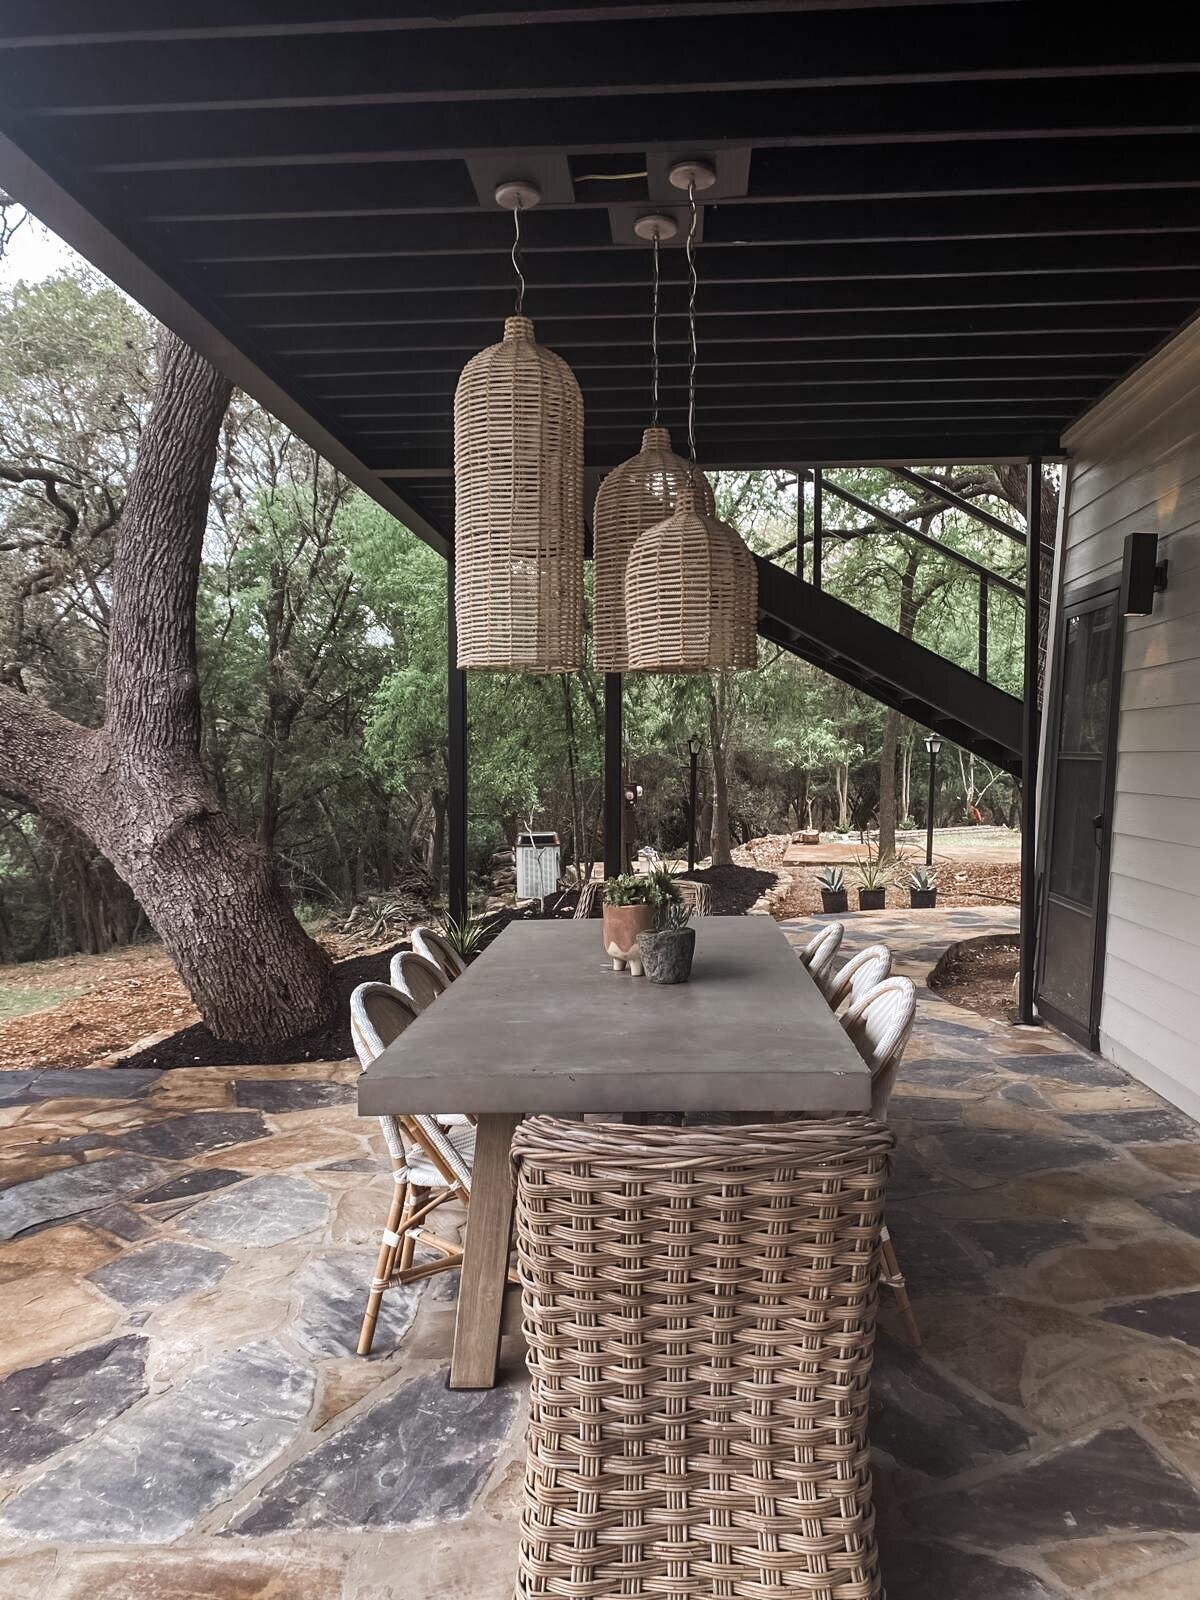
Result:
518,523
633,497
691,594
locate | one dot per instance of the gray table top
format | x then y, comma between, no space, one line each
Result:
541,1023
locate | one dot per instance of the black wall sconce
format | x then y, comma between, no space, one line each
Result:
1143,575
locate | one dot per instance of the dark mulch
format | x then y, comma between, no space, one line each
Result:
978,974
196,1047
734,889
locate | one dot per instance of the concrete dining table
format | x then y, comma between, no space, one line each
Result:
541,1023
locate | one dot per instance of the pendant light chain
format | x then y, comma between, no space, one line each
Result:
516,259
692,354
654,343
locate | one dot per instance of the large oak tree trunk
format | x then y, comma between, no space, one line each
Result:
137,787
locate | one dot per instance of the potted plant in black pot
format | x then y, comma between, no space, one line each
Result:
873,877
832,883
667,950
922,887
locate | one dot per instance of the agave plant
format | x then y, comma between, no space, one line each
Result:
831,879
871,871
922,879
465,937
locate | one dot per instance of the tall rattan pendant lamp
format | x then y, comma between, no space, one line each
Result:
637,494
691,585
518,488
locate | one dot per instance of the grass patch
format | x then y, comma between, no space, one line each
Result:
16,1002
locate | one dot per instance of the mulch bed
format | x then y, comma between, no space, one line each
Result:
978,974
195,1046
734,889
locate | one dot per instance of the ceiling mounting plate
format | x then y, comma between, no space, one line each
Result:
548,173
517,195
731,169
630,221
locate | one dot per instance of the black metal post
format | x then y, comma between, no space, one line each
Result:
932,802
801,481
1029,741
983,629
694,759
456,762
613,775
818,528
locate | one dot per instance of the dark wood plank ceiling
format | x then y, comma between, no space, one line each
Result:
964,220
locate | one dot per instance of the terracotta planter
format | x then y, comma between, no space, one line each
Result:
872,899
834,900
921,898
667,954
620,928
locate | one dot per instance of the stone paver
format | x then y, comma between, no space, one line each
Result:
181,1411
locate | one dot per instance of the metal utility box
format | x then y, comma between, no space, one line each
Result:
539,861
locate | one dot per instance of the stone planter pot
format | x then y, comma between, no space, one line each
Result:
834,900
872,899
667,954
620,927
922,898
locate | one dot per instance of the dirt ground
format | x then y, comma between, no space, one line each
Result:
980,977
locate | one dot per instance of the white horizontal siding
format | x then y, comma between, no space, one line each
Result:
1136,468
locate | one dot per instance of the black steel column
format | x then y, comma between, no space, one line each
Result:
801,481
818,528
693,796
983,628
614,776
456,762
932,803
1029,740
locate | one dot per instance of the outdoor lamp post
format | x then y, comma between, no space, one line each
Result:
933,744
693,750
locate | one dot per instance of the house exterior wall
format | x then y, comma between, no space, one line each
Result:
1136,467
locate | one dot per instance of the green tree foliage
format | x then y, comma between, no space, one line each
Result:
323,655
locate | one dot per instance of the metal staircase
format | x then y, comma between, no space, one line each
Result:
865,654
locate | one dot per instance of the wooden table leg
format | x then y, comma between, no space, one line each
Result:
485,1257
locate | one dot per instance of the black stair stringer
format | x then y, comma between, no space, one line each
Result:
883,664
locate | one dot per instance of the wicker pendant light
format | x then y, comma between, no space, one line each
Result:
518,486
691,585
635,495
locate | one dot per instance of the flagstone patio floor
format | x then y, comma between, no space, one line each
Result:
182,1272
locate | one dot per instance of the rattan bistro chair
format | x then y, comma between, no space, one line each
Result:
879,1022
431,1164
699,1305
417,979
820,950
860,973
437,948
696,895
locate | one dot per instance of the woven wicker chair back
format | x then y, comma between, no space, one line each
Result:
697,895
632,498
590,902
699,1306
430,944
818,954
518,520
417,979
860,973
691,595
880,1022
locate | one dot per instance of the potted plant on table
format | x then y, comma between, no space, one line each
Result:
631,905
873,875
922,887
832,883
667,949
